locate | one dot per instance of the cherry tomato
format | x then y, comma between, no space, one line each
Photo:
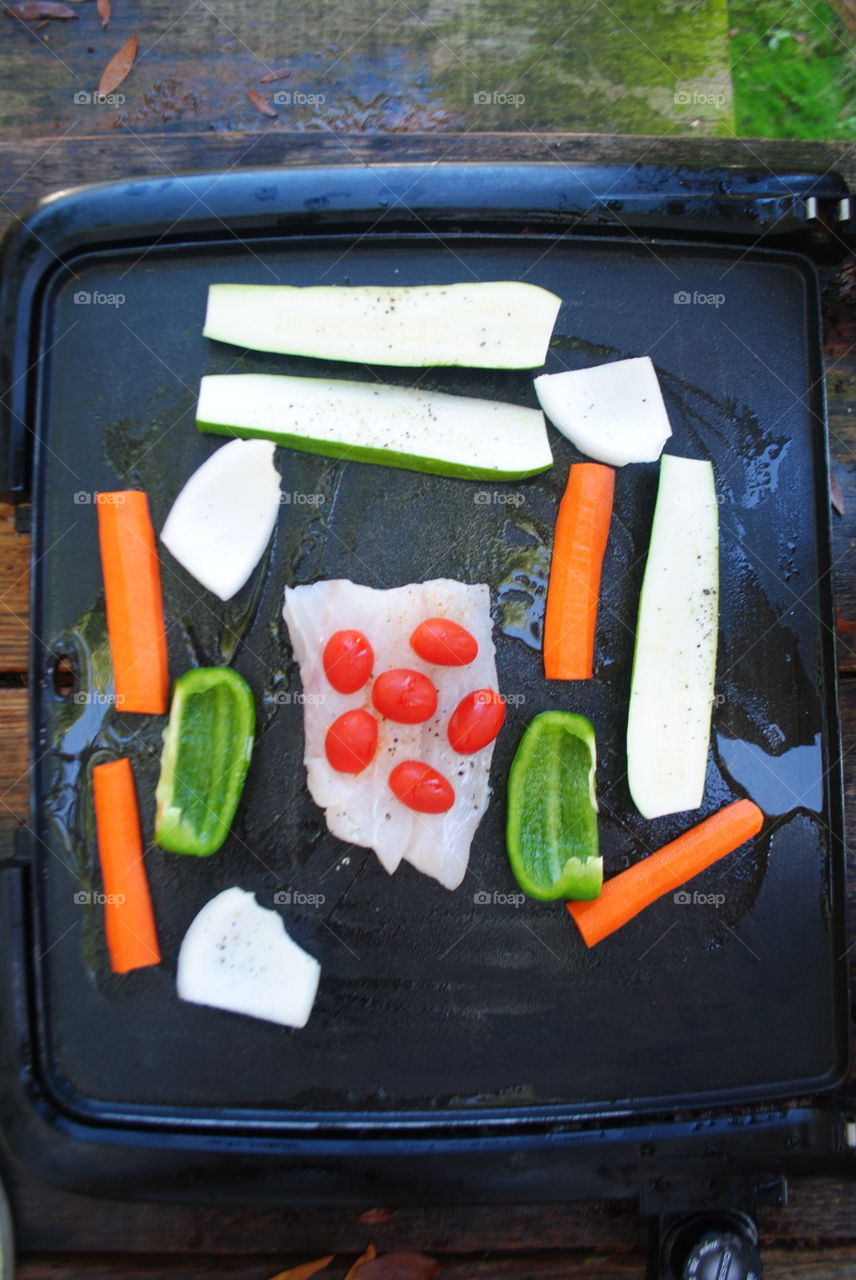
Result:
348,660
421,788
476,721
443,642
351,741
408,697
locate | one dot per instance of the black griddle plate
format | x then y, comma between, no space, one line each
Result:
434,1007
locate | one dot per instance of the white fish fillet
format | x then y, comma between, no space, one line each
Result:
361,809
237,955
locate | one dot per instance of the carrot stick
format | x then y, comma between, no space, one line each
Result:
631,891
128,917
132,589
582,528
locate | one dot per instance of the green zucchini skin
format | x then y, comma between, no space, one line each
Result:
453,436
382,457
505,324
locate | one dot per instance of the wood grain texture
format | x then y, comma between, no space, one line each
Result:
14,593
50,1221
624,67
14,762
542,1266
779,1264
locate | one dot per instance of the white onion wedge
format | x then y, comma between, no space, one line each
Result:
237,956
612,412
222,520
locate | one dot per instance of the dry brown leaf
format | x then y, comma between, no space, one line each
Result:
369,1256
261,104
835,494
105,11
32,10
119,66
306,1270
370,1216
274,75
400,1266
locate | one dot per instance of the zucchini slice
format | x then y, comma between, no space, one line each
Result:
497,325
674,665
370,422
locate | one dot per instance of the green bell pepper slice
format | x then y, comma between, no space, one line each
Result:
207,746
551,829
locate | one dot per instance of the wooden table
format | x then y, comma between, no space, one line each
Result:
61,1234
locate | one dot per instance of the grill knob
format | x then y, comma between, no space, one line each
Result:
718,1255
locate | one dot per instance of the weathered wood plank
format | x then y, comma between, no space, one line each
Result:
14,593
830,1263
14,763
48,1220
567,1266
624,67
51,1221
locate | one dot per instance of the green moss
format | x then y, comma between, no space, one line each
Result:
626,67
794,70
